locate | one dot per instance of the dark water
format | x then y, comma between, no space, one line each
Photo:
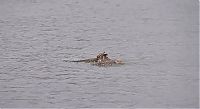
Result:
157,39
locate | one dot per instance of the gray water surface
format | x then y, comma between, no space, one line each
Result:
157,40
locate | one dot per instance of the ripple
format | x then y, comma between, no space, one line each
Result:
158,43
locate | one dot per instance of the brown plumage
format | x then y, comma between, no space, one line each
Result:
101,60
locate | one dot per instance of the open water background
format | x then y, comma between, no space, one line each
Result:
157,39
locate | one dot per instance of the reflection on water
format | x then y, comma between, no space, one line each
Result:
158,41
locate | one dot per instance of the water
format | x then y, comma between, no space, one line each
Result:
157,40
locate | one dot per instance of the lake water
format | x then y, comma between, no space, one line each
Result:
157,40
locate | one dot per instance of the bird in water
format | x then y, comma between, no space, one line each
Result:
101,60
